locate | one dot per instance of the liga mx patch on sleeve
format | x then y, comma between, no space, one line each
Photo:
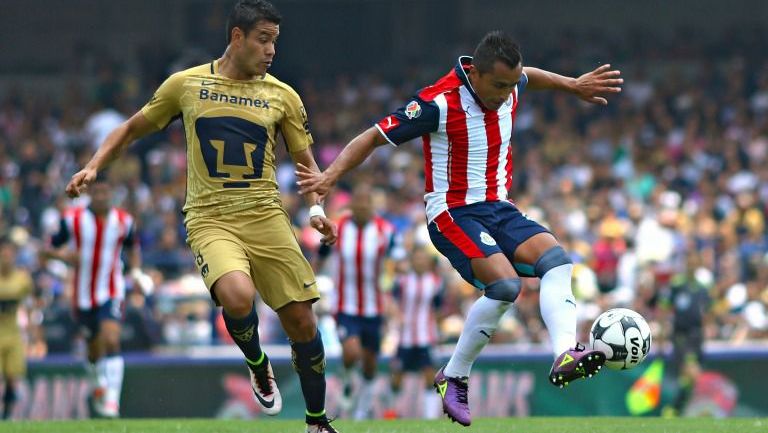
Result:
389,123
413,110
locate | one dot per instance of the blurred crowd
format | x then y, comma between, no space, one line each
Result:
672,174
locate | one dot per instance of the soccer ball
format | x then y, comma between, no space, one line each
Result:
623,335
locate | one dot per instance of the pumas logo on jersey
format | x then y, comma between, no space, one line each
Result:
413,110
487,239
388,123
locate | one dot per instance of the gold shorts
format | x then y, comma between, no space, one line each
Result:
13,362
259,242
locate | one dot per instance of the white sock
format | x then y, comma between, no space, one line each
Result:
345,376
482,321
432,404
101,373
95,378
115,367
558,308
364,400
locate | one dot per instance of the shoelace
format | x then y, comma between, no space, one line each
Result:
326,427
461,389
263,380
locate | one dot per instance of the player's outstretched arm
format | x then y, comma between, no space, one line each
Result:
113,146
588,87
354,153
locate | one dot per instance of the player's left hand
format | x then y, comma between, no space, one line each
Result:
601,81
325,226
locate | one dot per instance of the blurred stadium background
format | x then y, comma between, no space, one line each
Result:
676,166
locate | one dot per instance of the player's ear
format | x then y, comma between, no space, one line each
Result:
237,36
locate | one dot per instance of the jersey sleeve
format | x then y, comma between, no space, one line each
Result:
521,85
165,104
62,236
413,120
437,301
130,238
295,124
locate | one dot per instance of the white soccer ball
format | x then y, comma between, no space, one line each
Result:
623,335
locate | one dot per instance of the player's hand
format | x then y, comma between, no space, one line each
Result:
326,227
80,181
602,81
311,180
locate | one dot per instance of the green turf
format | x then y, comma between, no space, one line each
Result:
487,425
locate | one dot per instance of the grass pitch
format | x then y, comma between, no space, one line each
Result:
487,425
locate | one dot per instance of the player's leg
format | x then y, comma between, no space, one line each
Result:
370,339
287,284
13,365
396,366
349,330
87,321
308,355
431,400
462,237
110,364
223,261
236,293
556,301
9,397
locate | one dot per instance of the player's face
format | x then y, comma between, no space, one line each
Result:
421,261
101,197
495,86
257,48
361,204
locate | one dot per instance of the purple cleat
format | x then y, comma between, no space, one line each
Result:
574,364
453,392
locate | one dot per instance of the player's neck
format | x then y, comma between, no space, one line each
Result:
100,213
227,67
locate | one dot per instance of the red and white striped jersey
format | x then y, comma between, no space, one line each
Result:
98,242
467,148
360,253
418,297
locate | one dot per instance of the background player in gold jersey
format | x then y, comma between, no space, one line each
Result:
15,286
238,231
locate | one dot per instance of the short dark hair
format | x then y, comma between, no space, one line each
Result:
247,13
496,46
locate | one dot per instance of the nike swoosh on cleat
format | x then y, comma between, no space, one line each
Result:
267,404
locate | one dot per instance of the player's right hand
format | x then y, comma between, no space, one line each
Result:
313,181
80,181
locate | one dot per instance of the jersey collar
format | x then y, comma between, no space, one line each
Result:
462,68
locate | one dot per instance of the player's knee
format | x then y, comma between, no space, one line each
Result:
236,302
552,258
506,290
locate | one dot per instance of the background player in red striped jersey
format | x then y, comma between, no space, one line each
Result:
465,121
418,295
365,240
91,239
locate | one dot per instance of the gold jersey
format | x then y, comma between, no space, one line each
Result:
231,128
14,287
